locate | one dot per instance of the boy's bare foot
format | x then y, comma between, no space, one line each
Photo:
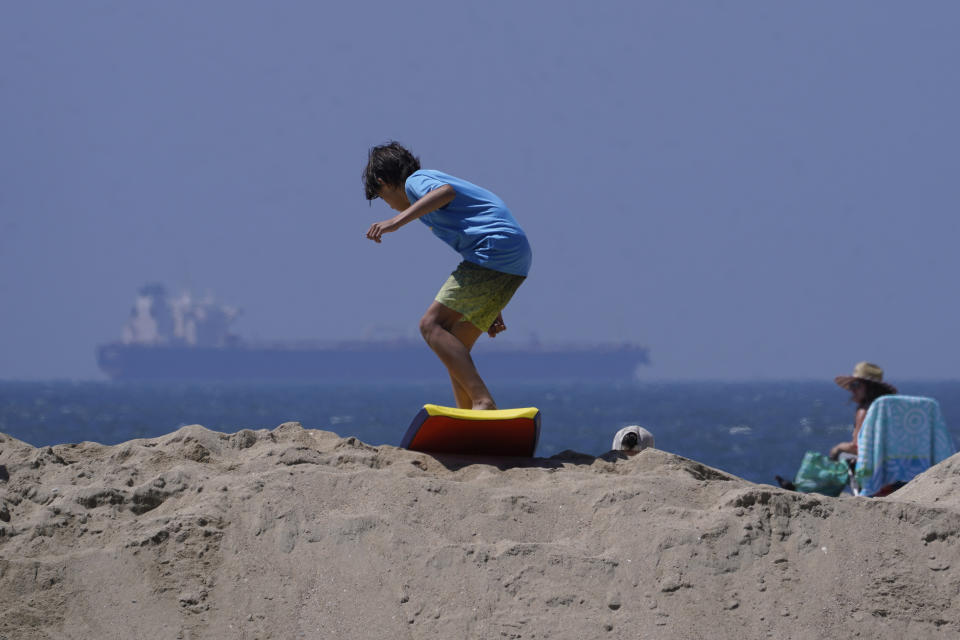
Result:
484,405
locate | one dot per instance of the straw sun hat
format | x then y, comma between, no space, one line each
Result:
867,372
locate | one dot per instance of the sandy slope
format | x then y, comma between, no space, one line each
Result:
295,533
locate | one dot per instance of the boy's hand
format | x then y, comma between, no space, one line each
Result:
377,229
397,199
497,326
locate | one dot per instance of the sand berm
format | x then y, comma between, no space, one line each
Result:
299,533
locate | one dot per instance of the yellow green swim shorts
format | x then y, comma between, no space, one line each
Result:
478,293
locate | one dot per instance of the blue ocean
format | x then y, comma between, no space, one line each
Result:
754,430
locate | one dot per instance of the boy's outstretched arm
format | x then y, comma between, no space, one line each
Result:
427,204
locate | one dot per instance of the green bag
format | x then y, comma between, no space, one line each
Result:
820,474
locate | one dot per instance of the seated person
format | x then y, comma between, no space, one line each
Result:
819,473
632,440
865,385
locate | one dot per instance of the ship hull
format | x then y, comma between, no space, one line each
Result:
360,362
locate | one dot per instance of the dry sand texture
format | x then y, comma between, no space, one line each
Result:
296,533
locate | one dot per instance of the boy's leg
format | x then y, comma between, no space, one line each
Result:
452,340
464,332
460,394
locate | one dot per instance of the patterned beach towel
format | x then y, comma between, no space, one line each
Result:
901,437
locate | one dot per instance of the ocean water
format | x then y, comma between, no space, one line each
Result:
752,430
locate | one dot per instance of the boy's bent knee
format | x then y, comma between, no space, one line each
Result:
429,324
438,317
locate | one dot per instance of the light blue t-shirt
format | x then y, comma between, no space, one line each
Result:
476,223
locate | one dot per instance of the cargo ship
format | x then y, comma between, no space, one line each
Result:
182,338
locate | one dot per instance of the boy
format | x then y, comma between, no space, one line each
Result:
478,225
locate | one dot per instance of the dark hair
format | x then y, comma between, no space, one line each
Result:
872,391
390,162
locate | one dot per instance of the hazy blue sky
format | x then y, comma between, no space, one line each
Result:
752,189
